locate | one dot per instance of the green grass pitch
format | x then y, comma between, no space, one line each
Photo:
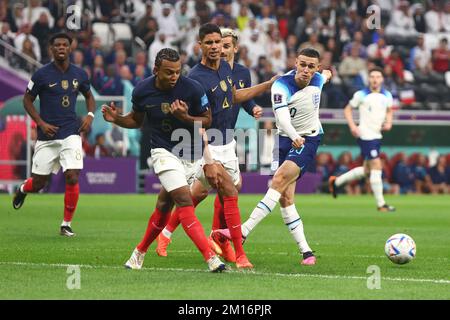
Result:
348,235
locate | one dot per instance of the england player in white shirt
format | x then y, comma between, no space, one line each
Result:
295,101
375,115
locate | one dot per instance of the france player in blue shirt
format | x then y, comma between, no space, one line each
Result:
58,143
172,103
216,77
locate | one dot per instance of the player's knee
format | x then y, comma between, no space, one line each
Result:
71,178
286,201
183,200
279,180
164,205
39,183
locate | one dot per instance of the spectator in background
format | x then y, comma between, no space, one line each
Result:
379,51
323,166
403,175
109,11
422,181
131,11
276,50
7,36
350,69
266,18
420,58
401,23
343,166
139,74
256,48
26,34
356,43
28,50
140,59
41,30
114,140
6,16
159,43
93,51
168,24
243,17
291,44
314,43
125,73
440,176
196,55
441,57
395,61
111,83
147,26
33,13
438,17
182,16
100,148
418,16
78,58
19,19
98,72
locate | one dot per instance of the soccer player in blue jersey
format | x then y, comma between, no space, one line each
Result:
170,102
295,101
216,77
375,115
58,143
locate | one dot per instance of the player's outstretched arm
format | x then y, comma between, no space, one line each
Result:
179,110
131,120
348,114
48,129
245,94
90,106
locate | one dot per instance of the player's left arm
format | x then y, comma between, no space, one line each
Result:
90,103
245,94
387,125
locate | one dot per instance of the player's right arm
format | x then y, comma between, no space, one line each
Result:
33,89
279,95
348,114
131,120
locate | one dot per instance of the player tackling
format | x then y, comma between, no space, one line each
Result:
375,115
58,143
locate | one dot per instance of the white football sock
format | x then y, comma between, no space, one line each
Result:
264,207
376,183
295,225
66,223
354,174
166,233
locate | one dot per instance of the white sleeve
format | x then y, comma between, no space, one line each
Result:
284,123
356,100
389,100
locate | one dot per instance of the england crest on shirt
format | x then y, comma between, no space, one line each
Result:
316,100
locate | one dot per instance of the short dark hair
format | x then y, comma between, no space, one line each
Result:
166,54
309,52
377,69
208,28
59,36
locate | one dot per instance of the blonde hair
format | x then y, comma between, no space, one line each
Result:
228,32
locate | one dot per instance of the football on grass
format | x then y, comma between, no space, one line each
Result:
400,248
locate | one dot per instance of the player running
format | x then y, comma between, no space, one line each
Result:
375,115
215,75
58,143
170,102
241,79
295,101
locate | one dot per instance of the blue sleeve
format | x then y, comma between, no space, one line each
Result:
138,106
199,100
249,104
85,86
317,80
35,84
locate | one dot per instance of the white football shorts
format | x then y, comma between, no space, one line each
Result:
173,172
226,155
50,156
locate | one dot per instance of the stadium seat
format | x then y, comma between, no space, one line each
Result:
104,32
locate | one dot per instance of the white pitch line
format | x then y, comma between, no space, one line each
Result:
267,274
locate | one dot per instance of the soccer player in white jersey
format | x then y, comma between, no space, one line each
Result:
375,115
295,101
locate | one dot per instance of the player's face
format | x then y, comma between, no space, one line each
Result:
61,49
375,80
306,67
212,46
228,49
168,73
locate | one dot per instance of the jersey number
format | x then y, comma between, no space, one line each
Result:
65,101
293,112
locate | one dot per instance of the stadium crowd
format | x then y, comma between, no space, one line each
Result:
417,173
410,40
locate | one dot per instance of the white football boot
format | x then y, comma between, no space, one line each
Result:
136,260
215,264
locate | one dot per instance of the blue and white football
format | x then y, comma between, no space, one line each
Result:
400,248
